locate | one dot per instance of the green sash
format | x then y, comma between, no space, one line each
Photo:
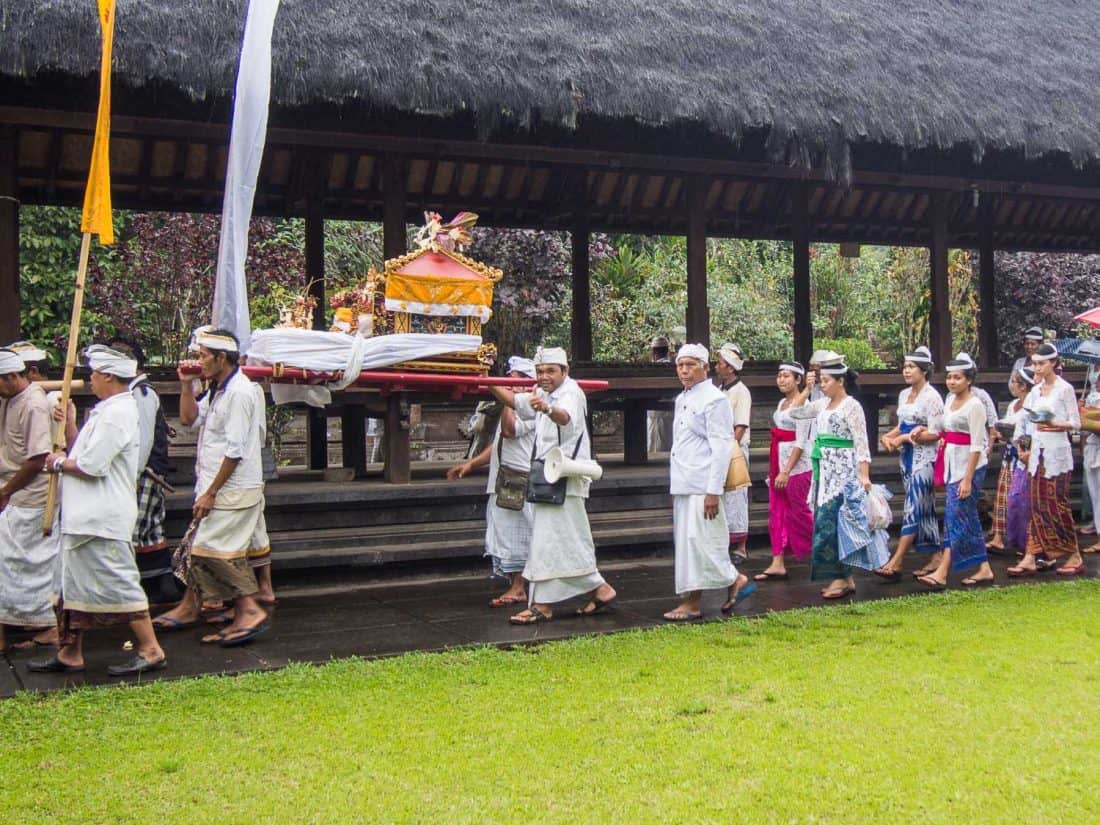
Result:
826,440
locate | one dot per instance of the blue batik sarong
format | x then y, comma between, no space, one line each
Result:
919,518
843,539
962,525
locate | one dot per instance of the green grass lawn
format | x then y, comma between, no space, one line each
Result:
979,707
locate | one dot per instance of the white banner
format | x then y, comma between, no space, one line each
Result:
246,149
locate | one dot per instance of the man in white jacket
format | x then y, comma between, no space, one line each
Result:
702,440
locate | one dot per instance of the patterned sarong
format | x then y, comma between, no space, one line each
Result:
962,525
1018,510
1050,529
919,518
1000,500
825,560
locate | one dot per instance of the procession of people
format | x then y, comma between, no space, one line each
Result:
823,508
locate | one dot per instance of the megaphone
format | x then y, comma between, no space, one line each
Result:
558,465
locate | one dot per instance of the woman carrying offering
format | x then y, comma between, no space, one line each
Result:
841,461
964,460
1052,405
1011,508
920,414
790,520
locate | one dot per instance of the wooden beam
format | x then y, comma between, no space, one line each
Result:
9,238
394,241
698,314
988,354
353,438
582,288
800,235
397,468
316,420
939,322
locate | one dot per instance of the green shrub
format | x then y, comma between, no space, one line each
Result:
857,354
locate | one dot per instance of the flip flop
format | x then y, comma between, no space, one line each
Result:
838,594
27,644
534,616
168,624
682,615
888,576
994,550
246,636
600,607
225,617
932,584
213,638
507,601
1076,570
742,594
52,665
970,581
766,576
1020,572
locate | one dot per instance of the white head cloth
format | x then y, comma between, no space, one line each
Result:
921,355
732,355
826,358
28,351
112,362
551,355
518,363
1045,352
962,361
1027,375
10,362
1034,333
835,367
696,351
205,337
793,367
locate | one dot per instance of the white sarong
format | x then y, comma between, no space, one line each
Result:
562,563
100,576
29,567
737,507
508,535
702,546
234,527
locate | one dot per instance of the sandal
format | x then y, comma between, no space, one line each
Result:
888,576
932,584
738,597
770,576
507,601
534,616
971,581
847,590
679,615
1018,572
599,606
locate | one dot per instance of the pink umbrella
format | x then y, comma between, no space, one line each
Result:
1092,317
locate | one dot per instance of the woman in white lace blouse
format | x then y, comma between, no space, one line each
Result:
841,461
1052,405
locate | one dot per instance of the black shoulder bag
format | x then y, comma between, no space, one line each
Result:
541,491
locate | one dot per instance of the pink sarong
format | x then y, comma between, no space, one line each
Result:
790,520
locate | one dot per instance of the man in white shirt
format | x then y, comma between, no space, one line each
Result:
1033,337
659,422
727,368
562,563
100,583
507,522
702,438
229,492
28,560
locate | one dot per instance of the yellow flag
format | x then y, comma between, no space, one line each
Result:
97,197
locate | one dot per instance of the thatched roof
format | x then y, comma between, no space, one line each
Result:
815,77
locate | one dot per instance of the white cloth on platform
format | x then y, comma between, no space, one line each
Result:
702,546
106,448
328,352
29,567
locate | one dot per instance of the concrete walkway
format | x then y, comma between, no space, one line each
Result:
315,623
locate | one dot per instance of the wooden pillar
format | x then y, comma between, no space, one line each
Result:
397,468
698,314
394,242
635,441
582,289
353,430
939,322
800,237
9,239
316,420
988,349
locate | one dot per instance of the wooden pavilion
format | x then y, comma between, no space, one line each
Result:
950,124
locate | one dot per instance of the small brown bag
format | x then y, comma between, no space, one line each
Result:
737,475
511,486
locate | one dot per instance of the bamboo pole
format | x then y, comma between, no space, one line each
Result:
67,378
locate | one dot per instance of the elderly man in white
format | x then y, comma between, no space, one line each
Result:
562,561
100,583
702,439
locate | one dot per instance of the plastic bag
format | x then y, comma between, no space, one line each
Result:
879,514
